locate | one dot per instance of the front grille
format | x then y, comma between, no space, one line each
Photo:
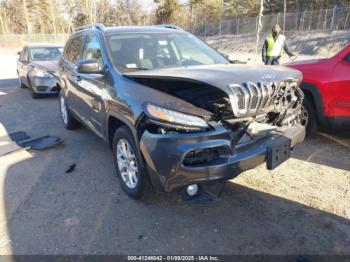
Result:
41,88
250,99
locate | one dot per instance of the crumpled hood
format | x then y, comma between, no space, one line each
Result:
50,66
222,75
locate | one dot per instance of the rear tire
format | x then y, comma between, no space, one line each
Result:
68,119
33,94
129,165
309,117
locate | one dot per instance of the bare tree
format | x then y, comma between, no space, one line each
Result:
258,29
26,16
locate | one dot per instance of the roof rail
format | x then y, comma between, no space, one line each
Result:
92,26
170,26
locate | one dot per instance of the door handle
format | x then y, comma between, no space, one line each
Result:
77,78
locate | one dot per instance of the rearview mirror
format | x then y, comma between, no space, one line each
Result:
89,66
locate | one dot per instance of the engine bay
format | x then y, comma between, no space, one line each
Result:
272,104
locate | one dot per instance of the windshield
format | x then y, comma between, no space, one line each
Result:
45,53
160,50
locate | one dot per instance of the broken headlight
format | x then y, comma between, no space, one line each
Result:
41,73
174,117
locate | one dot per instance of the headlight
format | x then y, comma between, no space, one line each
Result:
166,115
41,73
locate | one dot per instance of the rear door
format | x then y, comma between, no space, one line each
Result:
340,87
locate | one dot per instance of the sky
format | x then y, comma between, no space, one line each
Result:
148,4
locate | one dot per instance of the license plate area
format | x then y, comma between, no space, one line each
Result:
278,152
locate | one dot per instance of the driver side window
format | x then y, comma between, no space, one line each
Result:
92,48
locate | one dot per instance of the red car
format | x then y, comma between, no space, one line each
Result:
326,85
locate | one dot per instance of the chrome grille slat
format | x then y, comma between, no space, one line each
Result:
264,96
254,98
241,99
250,98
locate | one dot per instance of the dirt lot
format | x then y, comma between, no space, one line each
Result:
303,207
308,45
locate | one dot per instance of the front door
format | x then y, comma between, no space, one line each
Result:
340,87
91,87
71,77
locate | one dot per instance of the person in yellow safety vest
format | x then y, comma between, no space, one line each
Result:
273,46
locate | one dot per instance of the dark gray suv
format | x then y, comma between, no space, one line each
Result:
177,115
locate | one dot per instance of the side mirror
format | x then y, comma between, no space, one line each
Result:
89,66
23,60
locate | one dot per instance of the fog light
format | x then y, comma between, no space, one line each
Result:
192,190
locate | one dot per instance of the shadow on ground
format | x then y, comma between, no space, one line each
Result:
50,212
334,152
11,82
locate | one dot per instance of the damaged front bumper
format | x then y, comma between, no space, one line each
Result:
167,155
44,85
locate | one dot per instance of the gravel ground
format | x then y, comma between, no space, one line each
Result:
303,207
310,45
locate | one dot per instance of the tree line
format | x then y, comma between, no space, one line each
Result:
63,16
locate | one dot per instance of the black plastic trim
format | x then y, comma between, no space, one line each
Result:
317,101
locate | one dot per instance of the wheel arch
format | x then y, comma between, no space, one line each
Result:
312,93
113,122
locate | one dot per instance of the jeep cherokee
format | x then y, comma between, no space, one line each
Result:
175,112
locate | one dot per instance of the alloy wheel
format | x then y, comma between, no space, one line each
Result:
304,116
64,112
127,163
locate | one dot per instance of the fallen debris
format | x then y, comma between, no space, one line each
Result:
9,142
15,137
142,237
20,140
41,143
71,168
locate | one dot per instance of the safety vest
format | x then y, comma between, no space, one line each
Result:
274,48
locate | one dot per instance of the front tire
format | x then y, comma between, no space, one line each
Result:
33,94
68,119
129,165
309,117
21,85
